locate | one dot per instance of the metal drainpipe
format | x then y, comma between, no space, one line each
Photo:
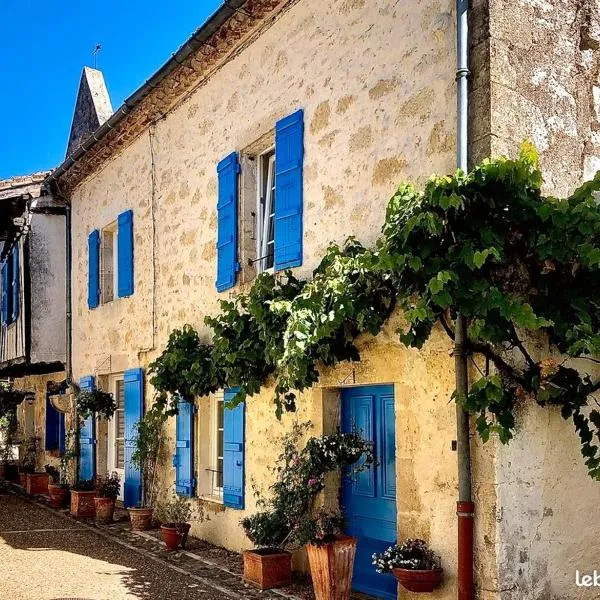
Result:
464,506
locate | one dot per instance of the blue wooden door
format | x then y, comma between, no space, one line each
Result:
369,497
87,437
133,392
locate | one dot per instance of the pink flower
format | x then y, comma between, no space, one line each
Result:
312,481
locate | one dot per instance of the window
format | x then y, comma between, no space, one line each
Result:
10,286
108,263
265,234
210,448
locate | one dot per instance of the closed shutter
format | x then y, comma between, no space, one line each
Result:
15,282
94,269
4,312
133,381
62,433
51,426
87,441
233,453
125,254
183,460
289,156
227,225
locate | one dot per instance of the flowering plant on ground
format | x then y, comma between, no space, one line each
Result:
109,486
412,554
287,518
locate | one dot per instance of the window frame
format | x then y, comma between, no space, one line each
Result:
265,184
113,229
217,404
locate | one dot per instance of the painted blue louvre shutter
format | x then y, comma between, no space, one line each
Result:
183,461
4,313
233,453
134,408
16,280
125,254
289,156
87,462
94,269
227,226
52,426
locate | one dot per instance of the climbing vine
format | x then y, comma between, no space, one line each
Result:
521,267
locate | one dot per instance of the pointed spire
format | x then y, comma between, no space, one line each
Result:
92,109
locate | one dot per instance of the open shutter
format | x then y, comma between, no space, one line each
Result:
51,426
4,313
87,441
125,254
227,226
233,453
15,282
289,156
183,461
94,269
134,408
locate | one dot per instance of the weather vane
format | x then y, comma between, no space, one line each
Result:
95,53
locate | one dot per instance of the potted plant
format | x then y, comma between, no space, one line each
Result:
174,515
107,491
83,493
8,439
58,487
288,518
414,565
94,402
57,492
147,445
34,482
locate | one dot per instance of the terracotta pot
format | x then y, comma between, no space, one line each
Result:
22,479
268,568
58,495
184,529
82,504
36,483
419,581
172,536
331,568
105,510
141,518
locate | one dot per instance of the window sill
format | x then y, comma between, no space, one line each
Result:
209,498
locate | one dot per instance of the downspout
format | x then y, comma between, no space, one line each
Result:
464,506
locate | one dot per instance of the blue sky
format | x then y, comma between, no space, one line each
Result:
43,47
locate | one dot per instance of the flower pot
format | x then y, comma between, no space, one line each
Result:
82,504
58,495
172,536
36,483
184,529
105,510
22,479
141,518
268,568
419,581
331,568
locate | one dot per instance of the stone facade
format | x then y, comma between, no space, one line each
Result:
376,82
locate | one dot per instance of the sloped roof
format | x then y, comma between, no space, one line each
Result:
92,109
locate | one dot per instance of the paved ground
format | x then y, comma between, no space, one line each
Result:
45,555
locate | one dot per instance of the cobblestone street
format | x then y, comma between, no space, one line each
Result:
46,555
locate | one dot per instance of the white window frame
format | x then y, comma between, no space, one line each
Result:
113,229
217,403
262,227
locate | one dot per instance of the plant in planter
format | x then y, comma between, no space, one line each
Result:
57,491
83,493
414,565
288,519
94,402
34,481
174,515
147,454
9,430
107,491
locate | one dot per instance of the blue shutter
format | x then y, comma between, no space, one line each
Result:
87,441
233,453
52,426
94,269
183,461
125,254
62,433
227,226
4,313
15,282
134,408
289,156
